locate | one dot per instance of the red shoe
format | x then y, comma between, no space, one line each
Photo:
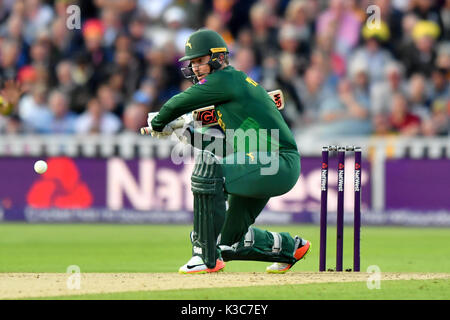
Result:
299,254
196,265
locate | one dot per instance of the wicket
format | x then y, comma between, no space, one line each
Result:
340,207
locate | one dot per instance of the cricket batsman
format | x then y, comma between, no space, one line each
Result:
243,177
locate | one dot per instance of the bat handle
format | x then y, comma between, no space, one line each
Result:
146,131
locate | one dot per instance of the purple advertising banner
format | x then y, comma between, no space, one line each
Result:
419,184
143,190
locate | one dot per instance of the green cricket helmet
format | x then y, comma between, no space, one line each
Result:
201,43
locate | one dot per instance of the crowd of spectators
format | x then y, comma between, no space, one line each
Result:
342,71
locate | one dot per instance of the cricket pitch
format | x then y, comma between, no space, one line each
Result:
35,285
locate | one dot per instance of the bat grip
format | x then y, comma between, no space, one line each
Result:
145,131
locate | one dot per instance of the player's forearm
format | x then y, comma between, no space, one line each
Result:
195,97
172,109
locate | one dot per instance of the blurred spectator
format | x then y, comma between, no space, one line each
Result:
440,86
33,109
40,53
359,78
312,93
443,57
373,53
11,125
5,10
14,30
126,9
166,76
109,100
408,22
134,118
223,8
244,60
171,30
401,119
269,72
427,10
329,67
9,54
175,21
94,55
111,23
129,66
245,40
78,95
117,84
153,9
64,77
18,8
445,18
27,76
418,96
215,21
381,93
139,42
286,79
346,114
438,124
297,15
381,125
340,23
264,34
392,16
96,120
38,15
290,43
63,120
82,71
63,41
196,10
420,55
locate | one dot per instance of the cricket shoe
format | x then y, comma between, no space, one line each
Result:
302,250
196,265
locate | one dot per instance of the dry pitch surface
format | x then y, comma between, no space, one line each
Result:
29,285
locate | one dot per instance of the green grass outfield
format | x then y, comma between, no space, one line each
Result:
27,248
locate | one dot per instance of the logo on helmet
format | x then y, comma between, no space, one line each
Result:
188,44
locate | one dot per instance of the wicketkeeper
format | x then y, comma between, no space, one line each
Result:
243,177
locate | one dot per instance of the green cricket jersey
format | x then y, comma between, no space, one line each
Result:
240,103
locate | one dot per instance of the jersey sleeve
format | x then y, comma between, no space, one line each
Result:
214,89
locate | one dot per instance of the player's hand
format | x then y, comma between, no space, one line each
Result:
166,132
12,92
150,117
178,125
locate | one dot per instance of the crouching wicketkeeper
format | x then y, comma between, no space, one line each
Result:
244,177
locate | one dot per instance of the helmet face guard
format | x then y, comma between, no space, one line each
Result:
214,62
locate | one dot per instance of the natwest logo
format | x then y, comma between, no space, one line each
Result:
60,187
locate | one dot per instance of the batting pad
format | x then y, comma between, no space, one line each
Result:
262,245
209,206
